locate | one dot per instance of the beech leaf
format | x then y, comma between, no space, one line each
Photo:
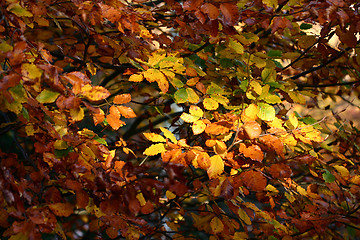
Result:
155,149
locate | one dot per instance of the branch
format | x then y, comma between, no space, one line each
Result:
301,85
313,69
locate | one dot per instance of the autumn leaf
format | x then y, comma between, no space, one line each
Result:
252,129
47,96
198,127
254,180
127,112
154,137
114,121
155,149
230,12
216,166
94,94
253,152
216,225
210,104
210,10
61,209
122,98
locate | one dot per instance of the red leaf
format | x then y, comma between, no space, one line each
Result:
190,5
210,10
230,13
254,180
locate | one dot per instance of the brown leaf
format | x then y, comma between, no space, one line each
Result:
280,170
231,13
62,209
210,10
191,5
274,144
254,180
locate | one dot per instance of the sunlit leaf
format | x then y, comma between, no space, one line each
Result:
210,104
96,93
198,127
266,112
253,129
122,98
47,96
154,137
168,134
216,166
155,149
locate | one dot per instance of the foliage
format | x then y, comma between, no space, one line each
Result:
175,119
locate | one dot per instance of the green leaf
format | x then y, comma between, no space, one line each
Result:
100,140
192,96
236,46
266,112
19,11
181,95
47,96
328,177
305,26
274,53
268,75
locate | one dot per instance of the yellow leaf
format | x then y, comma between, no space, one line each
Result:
297,97
18,10
198,127
136,78
196,111
301,190
240,236
141,198
216,225
77,114
243,216
188,118
31,71
271,188
293,120
60,145
210,104
192,96
343,171
170,195
155,75
271,3
155,149
216,166
250,113
96,93
154,137
168,135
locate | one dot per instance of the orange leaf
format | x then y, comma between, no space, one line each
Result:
254,180
98,117
127,112
62,209
210,10
114,121
274,144
122,98
218,128
253,129
253,151
82,198
203,160
114,111
96,93
231,13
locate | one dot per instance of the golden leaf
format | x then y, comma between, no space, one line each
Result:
210,104
127,112
154,137
252,129
62,209
216,166
136,78
96,93
168,135
216,225
155,149
198,127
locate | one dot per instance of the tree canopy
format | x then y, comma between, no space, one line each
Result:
165,119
